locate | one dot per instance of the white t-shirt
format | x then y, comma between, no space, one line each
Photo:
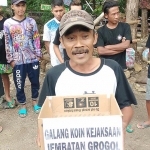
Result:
49,35
109,78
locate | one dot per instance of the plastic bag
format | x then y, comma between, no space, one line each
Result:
130,58
145,54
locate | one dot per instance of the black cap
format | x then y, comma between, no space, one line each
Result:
17,1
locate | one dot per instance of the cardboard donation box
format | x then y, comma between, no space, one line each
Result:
84,122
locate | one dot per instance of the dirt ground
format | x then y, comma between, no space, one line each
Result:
20,133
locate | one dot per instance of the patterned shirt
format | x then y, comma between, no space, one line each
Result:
22,41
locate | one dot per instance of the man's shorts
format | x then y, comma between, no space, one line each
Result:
5,68
148,89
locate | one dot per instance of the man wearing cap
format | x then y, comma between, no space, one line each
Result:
84,74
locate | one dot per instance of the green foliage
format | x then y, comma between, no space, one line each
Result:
98,6
122,4
98,10
35,6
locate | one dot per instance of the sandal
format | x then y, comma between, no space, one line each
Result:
12,104
36,109
129,129
142,125
1,129
22,112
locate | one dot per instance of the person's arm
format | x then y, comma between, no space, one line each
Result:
119,47
124,94
127,116
58,54
46,38
47,46
36,42
8,46
105,51
56,43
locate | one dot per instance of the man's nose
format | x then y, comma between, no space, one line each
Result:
59,13
116,16
78,43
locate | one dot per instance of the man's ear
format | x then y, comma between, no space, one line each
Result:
95,38
12,7
106,16
62,44
52,11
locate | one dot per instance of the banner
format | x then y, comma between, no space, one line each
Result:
83,133
3,2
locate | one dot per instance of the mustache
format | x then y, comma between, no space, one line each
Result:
80,51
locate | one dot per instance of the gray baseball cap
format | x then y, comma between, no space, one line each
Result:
17,1
75,17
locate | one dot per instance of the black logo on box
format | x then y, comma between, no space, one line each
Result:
81,102
68,102
93,102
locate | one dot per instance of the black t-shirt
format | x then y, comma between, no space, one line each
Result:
57,42
109,78
2,43
148,46
108,36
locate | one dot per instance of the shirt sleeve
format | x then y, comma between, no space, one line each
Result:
36,41
100,39
127,32
8,44
148,42
124,94
46,34
57,37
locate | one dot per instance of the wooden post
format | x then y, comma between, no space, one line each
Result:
132,7
144,25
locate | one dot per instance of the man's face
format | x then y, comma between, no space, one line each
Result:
19,9
58,12
74,7
113,15
79,42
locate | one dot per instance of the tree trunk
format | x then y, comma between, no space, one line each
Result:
144,25
132,7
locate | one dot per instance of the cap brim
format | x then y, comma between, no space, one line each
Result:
19,2
68,26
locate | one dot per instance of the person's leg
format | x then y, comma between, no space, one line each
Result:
6,83
1,87
6,69
148,112
33,74
1,91
146,124
19,76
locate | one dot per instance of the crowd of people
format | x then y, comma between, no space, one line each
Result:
69,39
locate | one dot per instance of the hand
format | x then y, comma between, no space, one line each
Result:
38,58
123,39
148,6
12,64
38,140
107,47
